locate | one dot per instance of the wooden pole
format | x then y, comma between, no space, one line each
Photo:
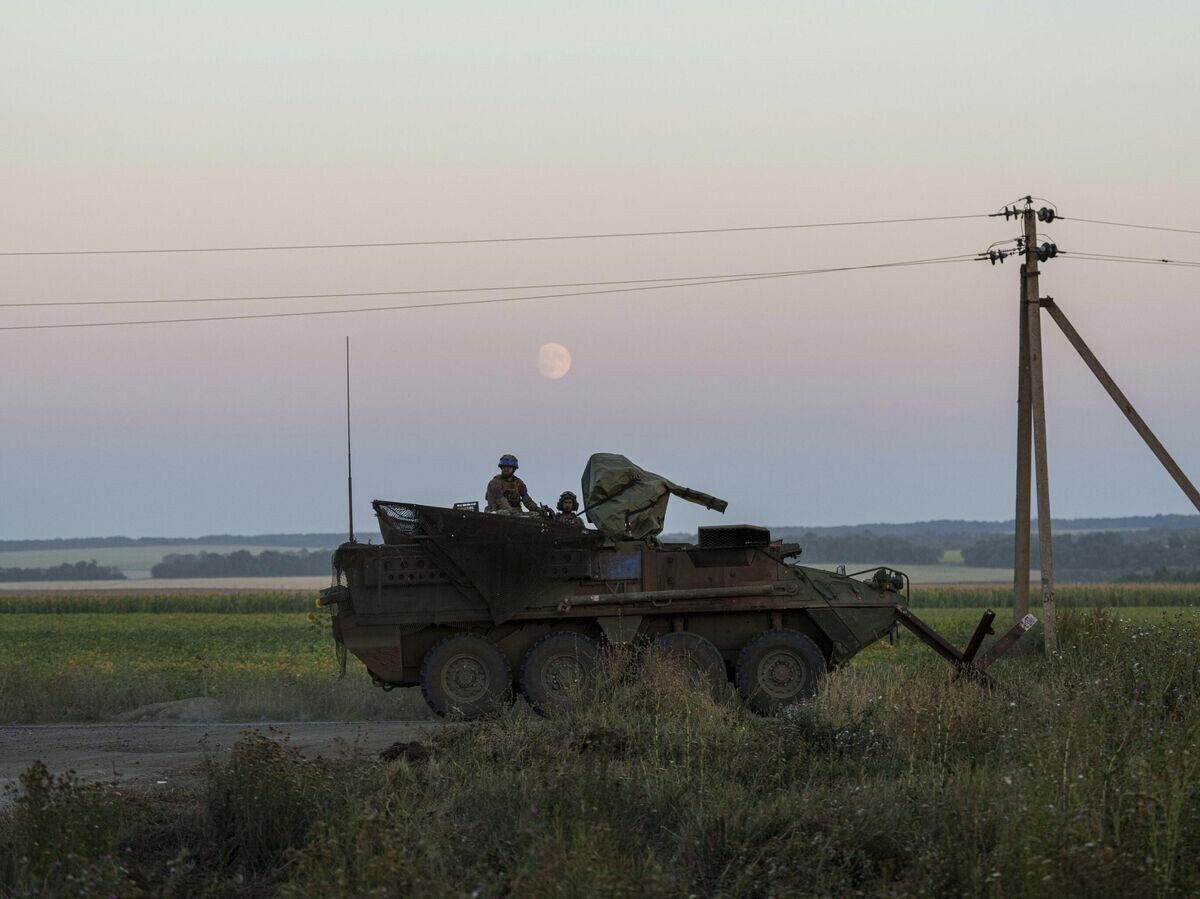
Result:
1024,457
1038,396
1122,402
349,468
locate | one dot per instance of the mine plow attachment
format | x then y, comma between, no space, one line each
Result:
967,662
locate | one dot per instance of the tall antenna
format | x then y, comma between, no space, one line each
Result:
349,468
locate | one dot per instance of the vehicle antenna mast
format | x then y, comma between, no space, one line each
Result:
349,468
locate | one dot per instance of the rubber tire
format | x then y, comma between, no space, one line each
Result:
803,653
702,660
490,658
540,695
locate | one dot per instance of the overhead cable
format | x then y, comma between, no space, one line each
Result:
397,293
483,240
490,300
1071,218
1141,260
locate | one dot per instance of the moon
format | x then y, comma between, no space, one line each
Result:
553,361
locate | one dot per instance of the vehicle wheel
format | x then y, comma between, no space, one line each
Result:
465,676
558,671
777,669
700,660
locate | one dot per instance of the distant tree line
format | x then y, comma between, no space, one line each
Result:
268,563
950,531
1104,550
309,541
68,571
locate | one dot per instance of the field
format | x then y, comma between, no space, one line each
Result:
1077,776
92,656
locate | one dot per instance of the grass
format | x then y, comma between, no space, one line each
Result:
115,602
90,666
1077,776
1108,595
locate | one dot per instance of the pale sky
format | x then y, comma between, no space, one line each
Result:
828,399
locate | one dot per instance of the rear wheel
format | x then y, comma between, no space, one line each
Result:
699,659
777,669
465,676
559,671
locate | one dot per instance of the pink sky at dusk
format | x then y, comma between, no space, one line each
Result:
838,398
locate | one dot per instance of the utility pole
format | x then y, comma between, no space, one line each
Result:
1118,397
349,466
1031,300
1031,414
1024,460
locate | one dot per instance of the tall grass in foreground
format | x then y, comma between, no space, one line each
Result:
1077,776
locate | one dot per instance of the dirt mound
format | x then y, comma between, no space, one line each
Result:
414,752
196,708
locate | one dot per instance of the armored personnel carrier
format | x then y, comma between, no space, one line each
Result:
476,606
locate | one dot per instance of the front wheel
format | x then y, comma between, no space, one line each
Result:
777,669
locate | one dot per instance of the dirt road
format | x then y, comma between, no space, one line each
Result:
162,755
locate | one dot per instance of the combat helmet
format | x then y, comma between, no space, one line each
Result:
508,459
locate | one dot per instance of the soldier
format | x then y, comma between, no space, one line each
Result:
568,502
506,492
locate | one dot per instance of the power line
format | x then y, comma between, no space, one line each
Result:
1066,218
485,240
392,293
1140,260
545,296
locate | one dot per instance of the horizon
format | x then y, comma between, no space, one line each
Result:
1058,521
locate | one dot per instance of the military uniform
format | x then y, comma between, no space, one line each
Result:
569,518
507,494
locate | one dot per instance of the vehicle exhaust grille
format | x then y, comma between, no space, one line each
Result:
733,535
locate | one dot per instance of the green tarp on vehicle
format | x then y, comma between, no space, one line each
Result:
626,502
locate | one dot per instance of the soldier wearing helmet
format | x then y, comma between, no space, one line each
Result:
506,492
568,509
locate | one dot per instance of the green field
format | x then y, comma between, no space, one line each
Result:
135,561
92,665
1077,776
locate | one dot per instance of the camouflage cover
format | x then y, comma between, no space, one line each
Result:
626,502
